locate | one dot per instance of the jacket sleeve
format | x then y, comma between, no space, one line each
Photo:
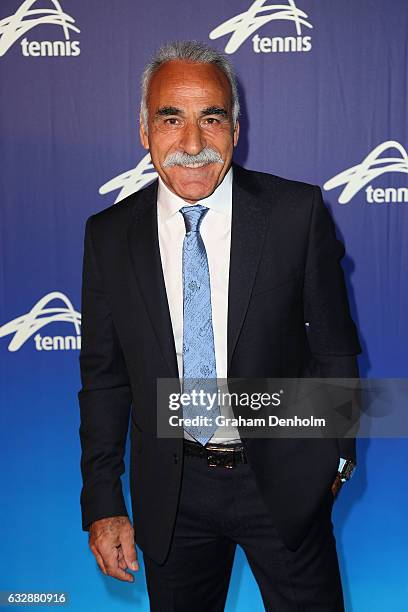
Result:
104,398
331,333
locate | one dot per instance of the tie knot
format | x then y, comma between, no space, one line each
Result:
193,215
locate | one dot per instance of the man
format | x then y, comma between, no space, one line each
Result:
211,271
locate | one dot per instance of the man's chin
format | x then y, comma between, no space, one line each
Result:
194,183
193,195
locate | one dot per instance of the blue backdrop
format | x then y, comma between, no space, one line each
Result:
324,100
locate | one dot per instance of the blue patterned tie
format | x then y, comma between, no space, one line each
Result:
198,336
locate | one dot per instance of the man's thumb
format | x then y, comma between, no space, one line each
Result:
129,550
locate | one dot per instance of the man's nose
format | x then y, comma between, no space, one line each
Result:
193,140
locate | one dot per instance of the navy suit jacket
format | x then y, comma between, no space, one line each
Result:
284,271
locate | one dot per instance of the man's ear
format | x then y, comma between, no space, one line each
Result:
236,133
142,133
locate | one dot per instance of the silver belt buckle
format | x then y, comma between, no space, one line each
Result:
214,461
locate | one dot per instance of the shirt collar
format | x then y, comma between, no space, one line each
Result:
168,203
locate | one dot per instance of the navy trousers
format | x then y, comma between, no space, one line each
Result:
220,508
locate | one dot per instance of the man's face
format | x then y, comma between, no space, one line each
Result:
190,123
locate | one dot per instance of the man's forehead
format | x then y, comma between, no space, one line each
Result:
182,68
183,98
176,80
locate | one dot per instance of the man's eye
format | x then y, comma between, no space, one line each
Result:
211,120
171,121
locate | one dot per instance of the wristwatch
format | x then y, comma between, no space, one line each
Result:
346,469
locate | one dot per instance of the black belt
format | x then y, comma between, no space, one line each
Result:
227,455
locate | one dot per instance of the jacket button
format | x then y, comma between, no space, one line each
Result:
175,457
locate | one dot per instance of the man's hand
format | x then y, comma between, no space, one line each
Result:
112,542
336,486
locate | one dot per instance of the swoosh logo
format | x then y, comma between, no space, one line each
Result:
373,166
243,25
25,326
27,18
131,181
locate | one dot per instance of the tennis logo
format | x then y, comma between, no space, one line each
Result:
26,18
41,314
373,166
132,180
242,26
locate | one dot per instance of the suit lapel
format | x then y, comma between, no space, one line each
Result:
248,230
144,248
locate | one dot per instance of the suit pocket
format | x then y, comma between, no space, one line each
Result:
263,287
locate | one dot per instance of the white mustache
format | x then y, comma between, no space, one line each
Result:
204,157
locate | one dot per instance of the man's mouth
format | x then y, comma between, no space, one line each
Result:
194,165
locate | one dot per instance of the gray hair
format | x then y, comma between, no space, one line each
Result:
190,51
